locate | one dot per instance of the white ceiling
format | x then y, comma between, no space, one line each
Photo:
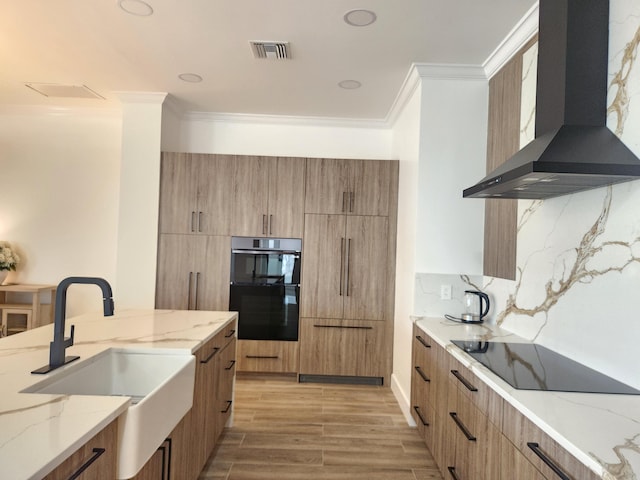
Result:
97,44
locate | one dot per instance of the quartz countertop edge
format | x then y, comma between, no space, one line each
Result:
39,431
595,428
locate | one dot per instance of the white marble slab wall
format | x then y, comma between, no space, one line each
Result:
577,288
428,293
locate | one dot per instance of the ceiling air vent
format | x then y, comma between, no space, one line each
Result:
61,90
272,50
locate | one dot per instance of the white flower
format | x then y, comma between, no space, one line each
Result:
8,258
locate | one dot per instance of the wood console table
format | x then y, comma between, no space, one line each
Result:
37,310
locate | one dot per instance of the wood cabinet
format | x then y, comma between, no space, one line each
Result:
270,356
342,347
351,187
193,272
268,196
471,431
345,268
95,460
158,467
195,193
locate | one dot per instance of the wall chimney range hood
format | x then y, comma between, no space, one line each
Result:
573,149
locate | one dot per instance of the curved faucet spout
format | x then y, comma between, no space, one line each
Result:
60,343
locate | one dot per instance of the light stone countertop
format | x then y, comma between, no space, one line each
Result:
38,431
600,430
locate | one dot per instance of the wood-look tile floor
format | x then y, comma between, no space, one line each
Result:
284,430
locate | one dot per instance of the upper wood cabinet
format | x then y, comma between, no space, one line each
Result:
268,196
351,187
195,193
345,271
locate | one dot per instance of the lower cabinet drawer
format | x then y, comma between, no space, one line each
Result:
541,450
267,356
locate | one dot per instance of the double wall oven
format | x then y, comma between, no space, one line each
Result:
265,287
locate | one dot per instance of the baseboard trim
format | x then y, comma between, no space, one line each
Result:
403,400
340,379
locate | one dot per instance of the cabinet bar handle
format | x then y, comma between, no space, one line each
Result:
348,262
213,352
200,222
452,472
461,426
189,292
464,381
271,357
231,364
270,224
422,341
229,402
341,263
543,456
343,326
351,197
422,374
193,221
343,201
230,334
196,289
96,454
264,224
417,410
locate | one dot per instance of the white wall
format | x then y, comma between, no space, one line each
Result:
59,201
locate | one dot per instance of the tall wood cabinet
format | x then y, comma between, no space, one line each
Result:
348,268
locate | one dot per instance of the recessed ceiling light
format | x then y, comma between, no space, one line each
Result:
136,7
349,84
360,18
190,77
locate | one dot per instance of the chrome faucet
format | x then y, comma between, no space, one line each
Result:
57,348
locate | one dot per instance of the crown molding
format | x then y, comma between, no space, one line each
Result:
524,31
156,98
289,120
58,111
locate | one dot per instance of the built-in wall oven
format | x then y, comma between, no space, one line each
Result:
265,287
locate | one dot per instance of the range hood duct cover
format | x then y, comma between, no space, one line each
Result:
573,149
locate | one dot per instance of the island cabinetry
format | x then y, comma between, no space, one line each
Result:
541,450
342,347
345,269
422,379
195,193
268,197
271,356
193,272
351,187
95,460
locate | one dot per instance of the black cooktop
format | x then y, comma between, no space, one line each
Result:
528,366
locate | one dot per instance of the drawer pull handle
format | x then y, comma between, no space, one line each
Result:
422,341
422,374
452,472
540,453
461,426
230,334
96,454
271,357
229,402
417,410
215,350
231,364
464,381
343,326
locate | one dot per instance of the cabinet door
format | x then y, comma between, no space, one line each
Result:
250,195
369,187
213,273
178,193
366,268
341,347
215,193
286,197
324,247
176,270
225,374
327,185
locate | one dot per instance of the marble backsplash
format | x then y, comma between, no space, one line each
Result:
577,287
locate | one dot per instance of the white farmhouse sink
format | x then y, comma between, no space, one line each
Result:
160,386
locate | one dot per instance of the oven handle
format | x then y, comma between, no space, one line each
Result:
267,252
250,284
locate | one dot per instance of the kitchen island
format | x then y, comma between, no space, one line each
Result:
600,431
39,431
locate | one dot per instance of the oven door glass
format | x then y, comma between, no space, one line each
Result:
267,312
265,268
